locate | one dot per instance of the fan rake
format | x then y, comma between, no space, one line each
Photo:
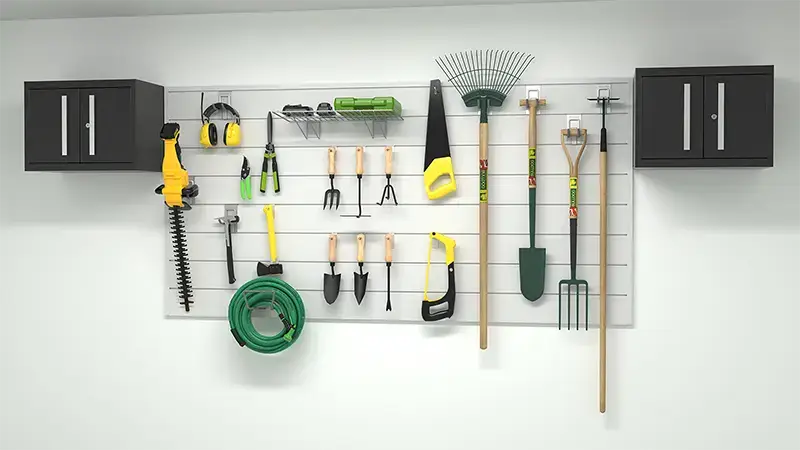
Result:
484,78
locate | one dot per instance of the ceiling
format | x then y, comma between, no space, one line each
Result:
59,9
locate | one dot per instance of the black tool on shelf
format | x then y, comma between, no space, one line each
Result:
229,221
388,191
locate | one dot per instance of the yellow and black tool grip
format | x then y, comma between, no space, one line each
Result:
432,310
439,168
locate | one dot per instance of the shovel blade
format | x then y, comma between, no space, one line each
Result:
331,287
360,285
531,272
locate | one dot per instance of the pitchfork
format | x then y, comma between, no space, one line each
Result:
573,281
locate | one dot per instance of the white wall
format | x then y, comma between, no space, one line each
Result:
713,362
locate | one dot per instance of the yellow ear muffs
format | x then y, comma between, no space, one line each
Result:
208,135
233,134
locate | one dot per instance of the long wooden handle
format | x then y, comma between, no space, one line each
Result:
332,248
361,239
603,262
331,160
388,239
359,160
484,235
388,153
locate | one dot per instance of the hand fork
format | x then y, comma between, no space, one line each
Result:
573,281
331,195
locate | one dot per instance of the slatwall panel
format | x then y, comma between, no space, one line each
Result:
303,226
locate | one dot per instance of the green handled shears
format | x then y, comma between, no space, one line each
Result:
244,183
269,154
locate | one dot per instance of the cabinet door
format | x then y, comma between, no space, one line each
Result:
107,135
738,116
670,117
52,133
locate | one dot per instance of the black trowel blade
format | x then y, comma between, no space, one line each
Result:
331,287
360,285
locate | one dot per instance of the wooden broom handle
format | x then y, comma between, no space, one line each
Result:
359,160
603,263
388,153
331,160
484,240
388,239
360,239
332,248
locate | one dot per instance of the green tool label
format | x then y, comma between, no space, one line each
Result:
484,191
532,168
573,197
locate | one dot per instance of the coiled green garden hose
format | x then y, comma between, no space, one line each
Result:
270,292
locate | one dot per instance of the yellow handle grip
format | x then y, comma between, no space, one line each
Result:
273,248
439,167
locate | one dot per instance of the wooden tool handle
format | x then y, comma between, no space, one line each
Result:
331,160
388,240
332,248
603,263
484,237
359,160
388,152
532,104
361,240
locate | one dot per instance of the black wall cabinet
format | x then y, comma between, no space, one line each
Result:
704,117
93,125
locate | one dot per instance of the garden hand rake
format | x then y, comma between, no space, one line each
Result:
573,281
484,78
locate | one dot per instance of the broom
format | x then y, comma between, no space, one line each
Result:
484,78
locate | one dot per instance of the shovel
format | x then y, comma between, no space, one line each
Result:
360,278
532,260
333,279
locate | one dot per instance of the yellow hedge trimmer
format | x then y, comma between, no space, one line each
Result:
177,191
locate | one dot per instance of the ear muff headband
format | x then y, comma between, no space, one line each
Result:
219,107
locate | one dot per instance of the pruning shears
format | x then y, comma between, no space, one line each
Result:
269,154
245,188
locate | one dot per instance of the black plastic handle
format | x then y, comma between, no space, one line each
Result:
603,140
229,257
449,298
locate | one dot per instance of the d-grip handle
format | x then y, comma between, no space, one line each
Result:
439,167
449,298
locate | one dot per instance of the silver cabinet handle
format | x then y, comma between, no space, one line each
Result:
687,116
90,125
64,125
721,116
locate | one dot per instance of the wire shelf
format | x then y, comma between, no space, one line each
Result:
310,122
